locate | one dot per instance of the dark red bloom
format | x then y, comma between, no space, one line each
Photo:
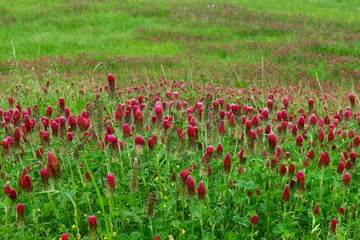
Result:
316,209
341,210
190,186
333,225
254,219
227,163
65,236
110,183
12,194
340,167
346,179
92,223
201,190
7,188
286,193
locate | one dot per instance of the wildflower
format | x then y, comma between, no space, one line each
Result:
333,225
272,142
27,183
283,169
110,183
93,226
53,166
44,178
346,179
286,193
299,140
341,210
7,188
227,163
340,167
316,209
20,208
254,219
12,194
300,176
157,237
201,190
65,236
190,186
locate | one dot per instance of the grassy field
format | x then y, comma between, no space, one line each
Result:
231,41
179,119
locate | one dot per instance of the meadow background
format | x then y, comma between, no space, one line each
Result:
229,41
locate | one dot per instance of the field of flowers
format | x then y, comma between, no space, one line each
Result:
173,160
158,119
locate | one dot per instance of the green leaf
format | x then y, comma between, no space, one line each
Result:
278,228
123,236
135,235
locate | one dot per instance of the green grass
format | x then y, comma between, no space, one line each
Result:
230,41
41,28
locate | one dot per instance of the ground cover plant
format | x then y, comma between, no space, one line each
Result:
179,120
173,160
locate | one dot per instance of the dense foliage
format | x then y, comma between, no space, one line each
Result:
179,160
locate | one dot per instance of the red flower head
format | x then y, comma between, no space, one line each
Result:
184,174
270,104
190,186
352,99
87,176
313,119
222,129
49,111
341,210
346,179
272,141
151,143
333,225
283,169
291,170
139,141
110,183
299,140
12,194
301,122
341,167
157,237
300,177
201,190
254,220
65,236
219,150
356,141
20,208
27,183
267,129
92,223
111,80
53,166
61,103
316,209
126,131
227,163
353,157
311,103
286,193
7,188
